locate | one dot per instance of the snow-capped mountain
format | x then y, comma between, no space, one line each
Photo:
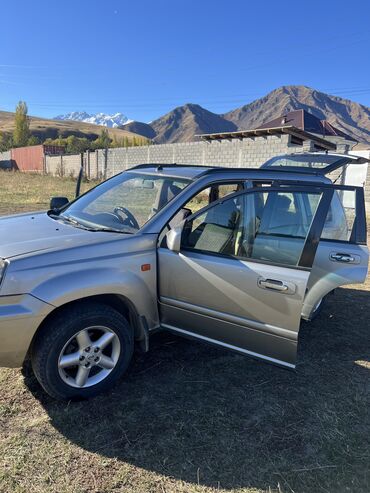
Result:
98,118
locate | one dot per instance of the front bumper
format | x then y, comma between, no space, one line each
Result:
20,317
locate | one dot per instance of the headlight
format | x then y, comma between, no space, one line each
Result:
3,266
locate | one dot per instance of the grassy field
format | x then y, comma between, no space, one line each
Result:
192,418
30,192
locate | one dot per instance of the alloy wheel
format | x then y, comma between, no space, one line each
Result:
89,356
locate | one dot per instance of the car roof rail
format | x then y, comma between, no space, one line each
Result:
223,169
161,166
153,165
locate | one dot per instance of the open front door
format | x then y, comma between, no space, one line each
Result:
241,275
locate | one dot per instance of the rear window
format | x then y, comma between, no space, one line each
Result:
318,162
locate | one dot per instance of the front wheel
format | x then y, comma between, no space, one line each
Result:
82,351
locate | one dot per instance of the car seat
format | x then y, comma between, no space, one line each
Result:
277,218
217,231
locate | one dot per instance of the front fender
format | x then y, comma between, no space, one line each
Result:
71,286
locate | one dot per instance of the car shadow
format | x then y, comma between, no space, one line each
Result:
214,418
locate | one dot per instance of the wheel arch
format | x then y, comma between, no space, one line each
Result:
116,301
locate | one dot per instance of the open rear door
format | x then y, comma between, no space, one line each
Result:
342,256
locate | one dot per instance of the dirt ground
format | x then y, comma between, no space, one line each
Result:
192,418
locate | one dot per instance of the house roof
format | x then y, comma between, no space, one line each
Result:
272,130
304,120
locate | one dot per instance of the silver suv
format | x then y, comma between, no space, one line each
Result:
235,257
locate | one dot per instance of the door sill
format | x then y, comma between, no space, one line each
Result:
252,354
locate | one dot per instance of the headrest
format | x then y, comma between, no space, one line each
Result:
283,202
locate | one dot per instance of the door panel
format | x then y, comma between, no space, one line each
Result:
327,275
342,256
243,339
221,299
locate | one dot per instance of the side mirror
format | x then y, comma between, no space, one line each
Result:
58,202
174,238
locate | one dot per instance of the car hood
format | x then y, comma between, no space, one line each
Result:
28,233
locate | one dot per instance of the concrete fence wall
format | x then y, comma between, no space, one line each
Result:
234,153
63,165
244,153
251,152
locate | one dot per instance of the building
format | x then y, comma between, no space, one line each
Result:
32,158
309,123
301,127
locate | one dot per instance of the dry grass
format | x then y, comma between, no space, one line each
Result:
30,191
192,418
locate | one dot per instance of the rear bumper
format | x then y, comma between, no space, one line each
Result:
20,317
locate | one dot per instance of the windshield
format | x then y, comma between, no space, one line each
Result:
124,203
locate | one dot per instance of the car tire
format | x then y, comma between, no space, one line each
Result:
70,370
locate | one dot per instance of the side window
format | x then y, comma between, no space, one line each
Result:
265,226
199,201
202,199
281,225
216,229
210,194
341,215
227,189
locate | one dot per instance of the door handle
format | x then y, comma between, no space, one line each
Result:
273,284
342,257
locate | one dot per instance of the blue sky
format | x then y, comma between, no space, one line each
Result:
143,58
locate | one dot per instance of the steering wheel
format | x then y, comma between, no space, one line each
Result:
131,218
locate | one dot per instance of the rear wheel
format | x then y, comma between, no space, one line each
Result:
82,351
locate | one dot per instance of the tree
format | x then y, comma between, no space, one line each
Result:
116,142
71,143
21,132
33,141
103,141
6,142
76,145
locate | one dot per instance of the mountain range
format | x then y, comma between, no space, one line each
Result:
346,115
184,122
111,121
